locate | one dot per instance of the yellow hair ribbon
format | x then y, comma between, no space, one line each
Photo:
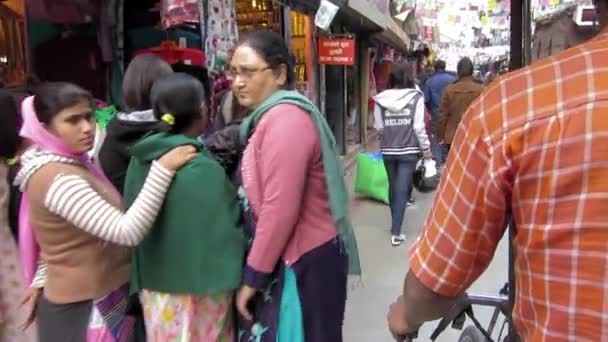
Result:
12,161
168,118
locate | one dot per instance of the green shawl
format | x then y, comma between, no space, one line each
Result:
196,245
334,173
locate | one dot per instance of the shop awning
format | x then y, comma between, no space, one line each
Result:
374,10
394,35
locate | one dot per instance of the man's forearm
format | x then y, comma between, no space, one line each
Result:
422,304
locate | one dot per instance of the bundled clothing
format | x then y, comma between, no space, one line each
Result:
226,149
229,111
69,212
122,132
191,262
296,206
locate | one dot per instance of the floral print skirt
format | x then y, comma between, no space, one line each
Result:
188,318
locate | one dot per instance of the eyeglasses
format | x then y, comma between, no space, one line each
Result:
245,74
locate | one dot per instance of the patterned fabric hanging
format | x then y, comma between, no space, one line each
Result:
178,12
222,33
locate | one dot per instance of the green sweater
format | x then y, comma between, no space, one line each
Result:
196,245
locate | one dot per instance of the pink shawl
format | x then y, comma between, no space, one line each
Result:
32,129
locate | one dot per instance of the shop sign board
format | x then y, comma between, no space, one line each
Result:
337,51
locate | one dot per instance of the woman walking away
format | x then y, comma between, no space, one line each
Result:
73,213
137,120
399,116
295,278
187,269
11,282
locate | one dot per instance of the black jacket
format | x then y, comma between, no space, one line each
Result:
122,132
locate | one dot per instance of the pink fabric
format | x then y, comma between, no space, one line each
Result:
285,183
32,129
104,334
179,12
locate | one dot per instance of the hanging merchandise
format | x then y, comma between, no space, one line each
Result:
63,11
179,12
172,54
222,33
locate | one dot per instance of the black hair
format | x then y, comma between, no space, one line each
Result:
271,47
139,78
53,97
465,67
403,75
440,65
31,83
180,95
11,124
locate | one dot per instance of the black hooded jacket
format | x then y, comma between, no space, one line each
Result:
122,132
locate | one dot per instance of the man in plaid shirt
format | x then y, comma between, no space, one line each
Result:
534,146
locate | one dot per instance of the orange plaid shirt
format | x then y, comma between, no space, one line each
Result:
535,144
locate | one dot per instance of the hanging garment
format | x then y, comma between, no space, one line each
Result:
63,11
172,54
178,12
222,33
143,37
75,59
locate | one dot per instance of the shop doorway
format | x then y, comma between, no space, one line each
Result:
12,43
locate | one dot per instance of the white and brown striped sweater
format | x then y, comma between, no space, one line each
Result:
71,210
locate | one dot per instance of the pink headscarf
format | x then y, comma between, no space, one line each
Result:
32,129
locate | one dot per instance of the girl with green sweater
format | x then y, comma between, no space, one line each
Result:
187,268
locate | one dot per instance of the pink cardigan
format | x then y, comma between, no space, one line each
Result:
283,175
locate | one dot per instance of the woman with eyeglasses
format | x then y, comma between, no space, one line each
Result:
295,202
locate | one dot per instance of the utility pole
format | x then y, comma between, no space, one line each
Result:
521,33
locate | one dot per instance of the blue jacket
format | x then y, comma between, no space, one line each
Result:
433,90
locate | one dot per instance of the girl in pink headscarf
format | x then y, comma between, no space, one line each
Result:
71,222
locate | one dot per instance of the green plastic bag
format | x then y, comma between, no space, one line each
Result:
104,116
372,180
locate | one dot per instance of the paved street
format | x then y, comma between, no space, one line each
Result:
384,268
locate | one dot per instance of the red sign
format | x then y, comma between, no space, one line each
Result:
336,51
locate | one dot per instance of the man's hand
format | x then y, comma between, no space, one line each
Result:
397,322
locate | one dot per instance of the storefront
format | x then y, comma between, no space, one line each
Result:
13,61
303,52
258,15
346,89
296,25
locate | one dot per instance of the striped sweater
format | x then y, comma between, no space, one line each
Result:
73,199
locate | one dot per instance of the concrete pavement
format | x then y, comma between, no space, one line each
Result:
384,268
